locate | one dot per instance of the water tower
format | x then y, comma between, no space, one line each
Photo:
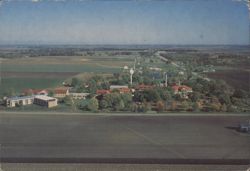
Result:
166,80
131,75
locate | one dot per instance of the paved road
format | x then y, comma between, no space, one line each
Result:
122,138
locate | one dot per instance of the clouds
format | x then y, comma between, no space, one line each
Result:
247,2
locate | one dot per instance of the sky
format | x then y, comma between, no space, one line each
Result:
124,22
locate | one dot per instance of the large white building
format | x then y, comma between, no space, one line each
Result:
45,101
19,101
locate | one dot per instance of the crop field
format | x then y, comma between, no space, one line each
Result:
65,64
18,84
48,71
236,78
122,138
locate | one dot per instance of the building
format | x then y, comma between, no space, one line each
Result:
35,92
61,92
19,101
45,101
113,87
102,92
124,90
143,87
182,90
79,95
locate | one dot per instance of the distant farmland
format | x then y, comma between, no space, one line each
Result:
44,72
236,78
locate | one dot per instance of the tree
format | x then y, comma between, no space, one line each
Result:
75,82
238,93
82,105
195,96
119,105
51,93
224,99
93,105
173,105
196,107
134,107
67,100
146,107
152,95
160,106
223,108
127,99
184,105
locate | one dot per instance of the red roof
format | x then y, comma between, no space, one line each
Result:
181,87
101,92
124,90
35,91
144,87
61,90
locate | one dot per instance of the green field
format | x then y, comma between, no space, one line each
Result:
57,68
18,84
46,72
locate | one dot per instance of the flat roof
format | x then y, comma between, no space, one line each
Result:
43,97
118,86
20,97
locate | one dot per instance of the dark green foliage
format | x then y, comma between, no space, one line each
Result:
93,105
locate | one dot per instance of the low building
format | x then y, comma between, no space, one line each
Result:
35,92
45,101
79,95
124,90
19,101
113,87
143,87
102,92
182,90
61,92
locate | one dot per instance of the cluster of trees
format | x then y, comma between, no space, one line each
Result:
116,102
222,97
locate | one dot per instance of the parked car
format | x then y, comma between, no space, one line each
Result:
244,127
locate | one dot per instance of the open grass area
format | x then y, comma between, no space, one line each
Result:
21,83
97,64
58,68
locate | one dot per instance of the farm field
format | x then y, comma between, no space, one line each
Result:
123,138
48,71
236,78
16,85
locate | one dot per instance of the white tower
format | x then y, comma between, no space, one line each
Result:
166,80
131,75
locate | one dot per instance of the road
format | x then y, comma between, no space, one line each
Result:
123,139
